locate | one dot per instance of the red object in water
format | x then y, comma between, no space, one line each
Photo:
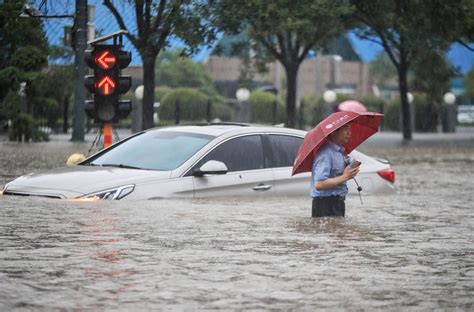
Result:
363,125
387,174
352,106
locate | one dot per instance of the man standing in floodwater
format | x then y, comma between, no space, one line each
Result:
330,173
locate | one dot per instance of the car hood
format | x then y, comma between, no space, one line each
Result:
75,181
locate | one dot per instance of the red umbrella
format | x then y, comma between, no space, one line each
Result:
363,125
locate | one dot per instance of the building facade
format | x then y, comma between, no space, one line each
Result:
315,75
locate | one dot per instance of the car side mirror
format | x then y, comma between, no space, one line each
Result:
211,167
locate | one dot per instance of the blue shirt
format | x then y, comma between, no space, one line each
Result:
328,163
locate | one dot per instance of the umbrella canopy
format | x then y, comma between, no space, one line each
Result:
352,106
363,125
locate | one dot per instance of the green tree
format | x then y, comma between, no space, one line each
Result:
52,101
286,29
156,21
407,28
265,107
432,74
22,57
16,32
469,84
193,106
175,70
381,69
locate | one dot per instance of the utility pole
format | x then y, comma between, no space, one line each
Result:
80,44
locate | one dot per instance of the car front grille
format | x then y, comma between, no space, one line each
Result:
9,193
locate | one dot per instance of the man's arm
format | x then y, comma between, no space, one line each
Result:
330,183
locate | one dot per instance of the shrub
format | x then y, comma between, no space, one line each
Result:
392,115
373,104
161,92
261,108
341,97
426,114
314,110
221,110
193,105
23,130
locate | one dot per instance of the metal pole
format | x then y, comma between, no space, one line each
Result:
274,112
107,134
80,70
208,111
177,112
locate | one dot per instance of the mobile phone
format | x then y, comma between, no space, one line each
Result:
354,164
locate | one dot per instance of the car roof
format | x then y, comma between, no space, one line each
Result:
220,129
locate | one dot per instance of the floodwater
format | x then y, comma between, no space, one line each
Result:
412,250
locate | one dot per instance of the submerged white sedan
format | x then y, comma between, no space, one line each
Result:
194,161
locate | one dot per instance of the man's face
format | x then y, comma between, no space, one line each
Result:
342,135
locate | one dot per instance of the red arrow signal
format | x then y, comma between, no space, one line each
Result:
105,60
106,86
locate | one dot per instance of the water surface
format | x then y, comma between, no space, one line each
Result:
412,250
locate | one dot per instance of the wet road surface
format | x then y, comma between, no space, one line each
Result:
411,250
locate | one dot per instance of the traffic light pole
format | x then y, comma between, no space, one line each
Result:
107,83
80,70
107,135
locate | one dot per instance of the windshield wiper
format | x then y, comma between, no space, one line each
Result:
121,166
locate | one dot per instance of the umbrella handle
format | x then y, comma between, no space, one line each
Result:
359,189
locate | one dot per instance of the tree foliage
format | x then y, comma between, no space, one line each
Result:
262,107
156,21
407,29
17,32
174,70
381,69
22,57
469,83
432,74
193,106
287,29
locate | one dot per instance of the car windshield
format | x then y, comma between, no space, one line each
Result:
155,150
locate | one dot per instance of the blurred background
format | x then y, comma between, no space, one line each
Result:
298,60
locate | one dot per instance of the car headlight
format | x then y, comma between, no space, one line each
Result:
110,194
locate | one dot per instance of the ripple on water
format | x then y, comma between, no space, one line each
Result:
410,250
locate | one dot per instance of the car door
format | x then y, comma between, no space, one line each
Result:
284,149
247,174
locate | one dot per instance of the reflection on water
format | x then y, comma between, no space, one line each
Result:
412,250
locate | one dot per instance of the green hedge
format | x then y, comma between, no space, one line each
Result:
261,108
161,92
313,110
193,105
426,114
373,104
221,110
391,120
24,130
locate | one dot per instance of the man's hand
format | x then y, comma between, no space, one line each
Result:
329,183
349,172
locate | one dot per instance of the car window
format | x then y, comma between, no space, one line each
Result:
242,153
284,149
156,150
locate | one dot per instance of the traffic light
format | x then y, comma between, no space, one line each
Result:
107,83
